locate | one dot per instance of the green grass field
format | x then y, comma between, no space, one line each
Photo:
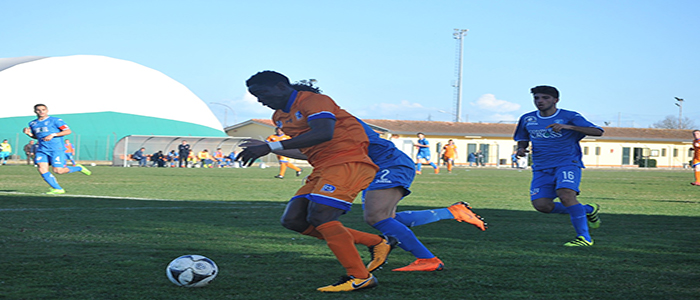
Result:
114,232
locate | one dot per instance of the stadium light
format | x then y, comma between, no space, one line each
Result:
680,112
226,108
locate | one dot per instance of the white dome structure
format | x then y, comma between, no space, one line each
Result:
100,96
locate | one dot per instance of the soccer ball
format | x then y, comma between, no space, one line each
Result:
191,271
93,164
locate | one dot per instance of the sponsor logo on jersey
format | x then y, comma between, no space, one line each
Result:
544,134
530,119
328,188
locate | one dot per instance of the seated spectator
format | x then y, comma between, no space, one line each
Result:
172,158
219,157
140,157
158,159
205,158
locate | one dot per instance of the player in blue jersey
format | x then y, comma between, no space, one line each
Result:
423,147
556,157
49,132
389,186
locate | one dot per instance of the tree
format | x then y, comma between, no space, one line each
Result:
671,122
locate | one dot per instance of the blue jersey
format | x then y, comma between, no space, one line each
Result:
395,167
552,149
381,151
44,128
424,151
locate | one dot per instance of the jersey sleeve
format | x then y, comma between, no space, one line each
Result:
319,107
61,125
521,134
580,121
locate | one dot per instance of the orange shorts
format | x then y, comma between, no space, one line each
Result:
338,185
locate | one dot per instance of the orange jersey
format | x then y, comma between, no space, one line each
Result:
696,151
69,148
349,143
450,150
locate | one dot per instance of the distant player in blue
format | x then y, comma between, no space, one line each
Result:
423,147
49,132
556,157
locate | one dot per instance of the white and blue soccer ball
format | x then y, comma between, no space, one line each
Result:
191,271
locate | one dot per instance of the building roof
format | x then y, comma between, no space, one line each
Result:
403,127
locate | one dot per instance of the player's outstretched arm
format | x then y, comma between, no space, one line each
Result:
293,153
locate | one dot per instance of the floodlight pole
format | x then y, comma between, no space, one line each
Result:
226,107
459,35
680,112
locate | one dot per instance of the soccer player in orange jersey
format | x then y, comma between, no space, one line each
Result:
336,146
449,154
284,161
696,157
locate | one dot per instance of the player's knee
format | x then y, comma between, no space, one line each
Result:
372,218
543,206
293,224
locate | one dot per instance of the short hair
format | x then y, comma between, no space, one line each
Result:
420,133
267,78
545,89
37,105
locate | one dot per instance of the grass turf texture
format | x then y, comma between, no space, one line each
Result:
81,247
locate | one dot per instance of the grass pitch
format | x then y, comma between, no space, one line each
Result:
114,232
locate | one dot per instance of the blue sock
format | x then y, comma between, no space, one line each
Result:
422,217
418,167
578,219
406,237
74,169
432,164
559,209
589,209
51,180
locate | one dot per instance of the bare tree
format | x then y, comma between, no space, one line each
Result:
671,122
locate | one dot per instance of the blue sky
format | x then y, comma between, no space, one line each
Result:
620,62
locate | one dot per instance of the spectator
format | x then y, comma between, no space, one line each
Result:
471,158
70,152
205,158
479,159
184,150
219,157
172,158
158,159
29,150
5,151
140,157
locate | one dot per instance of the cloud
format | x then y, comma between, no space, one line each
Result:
490,103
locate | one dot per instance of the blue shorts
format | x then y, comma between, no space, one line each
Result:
55,158
399,173
4,154
546,182
425,156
